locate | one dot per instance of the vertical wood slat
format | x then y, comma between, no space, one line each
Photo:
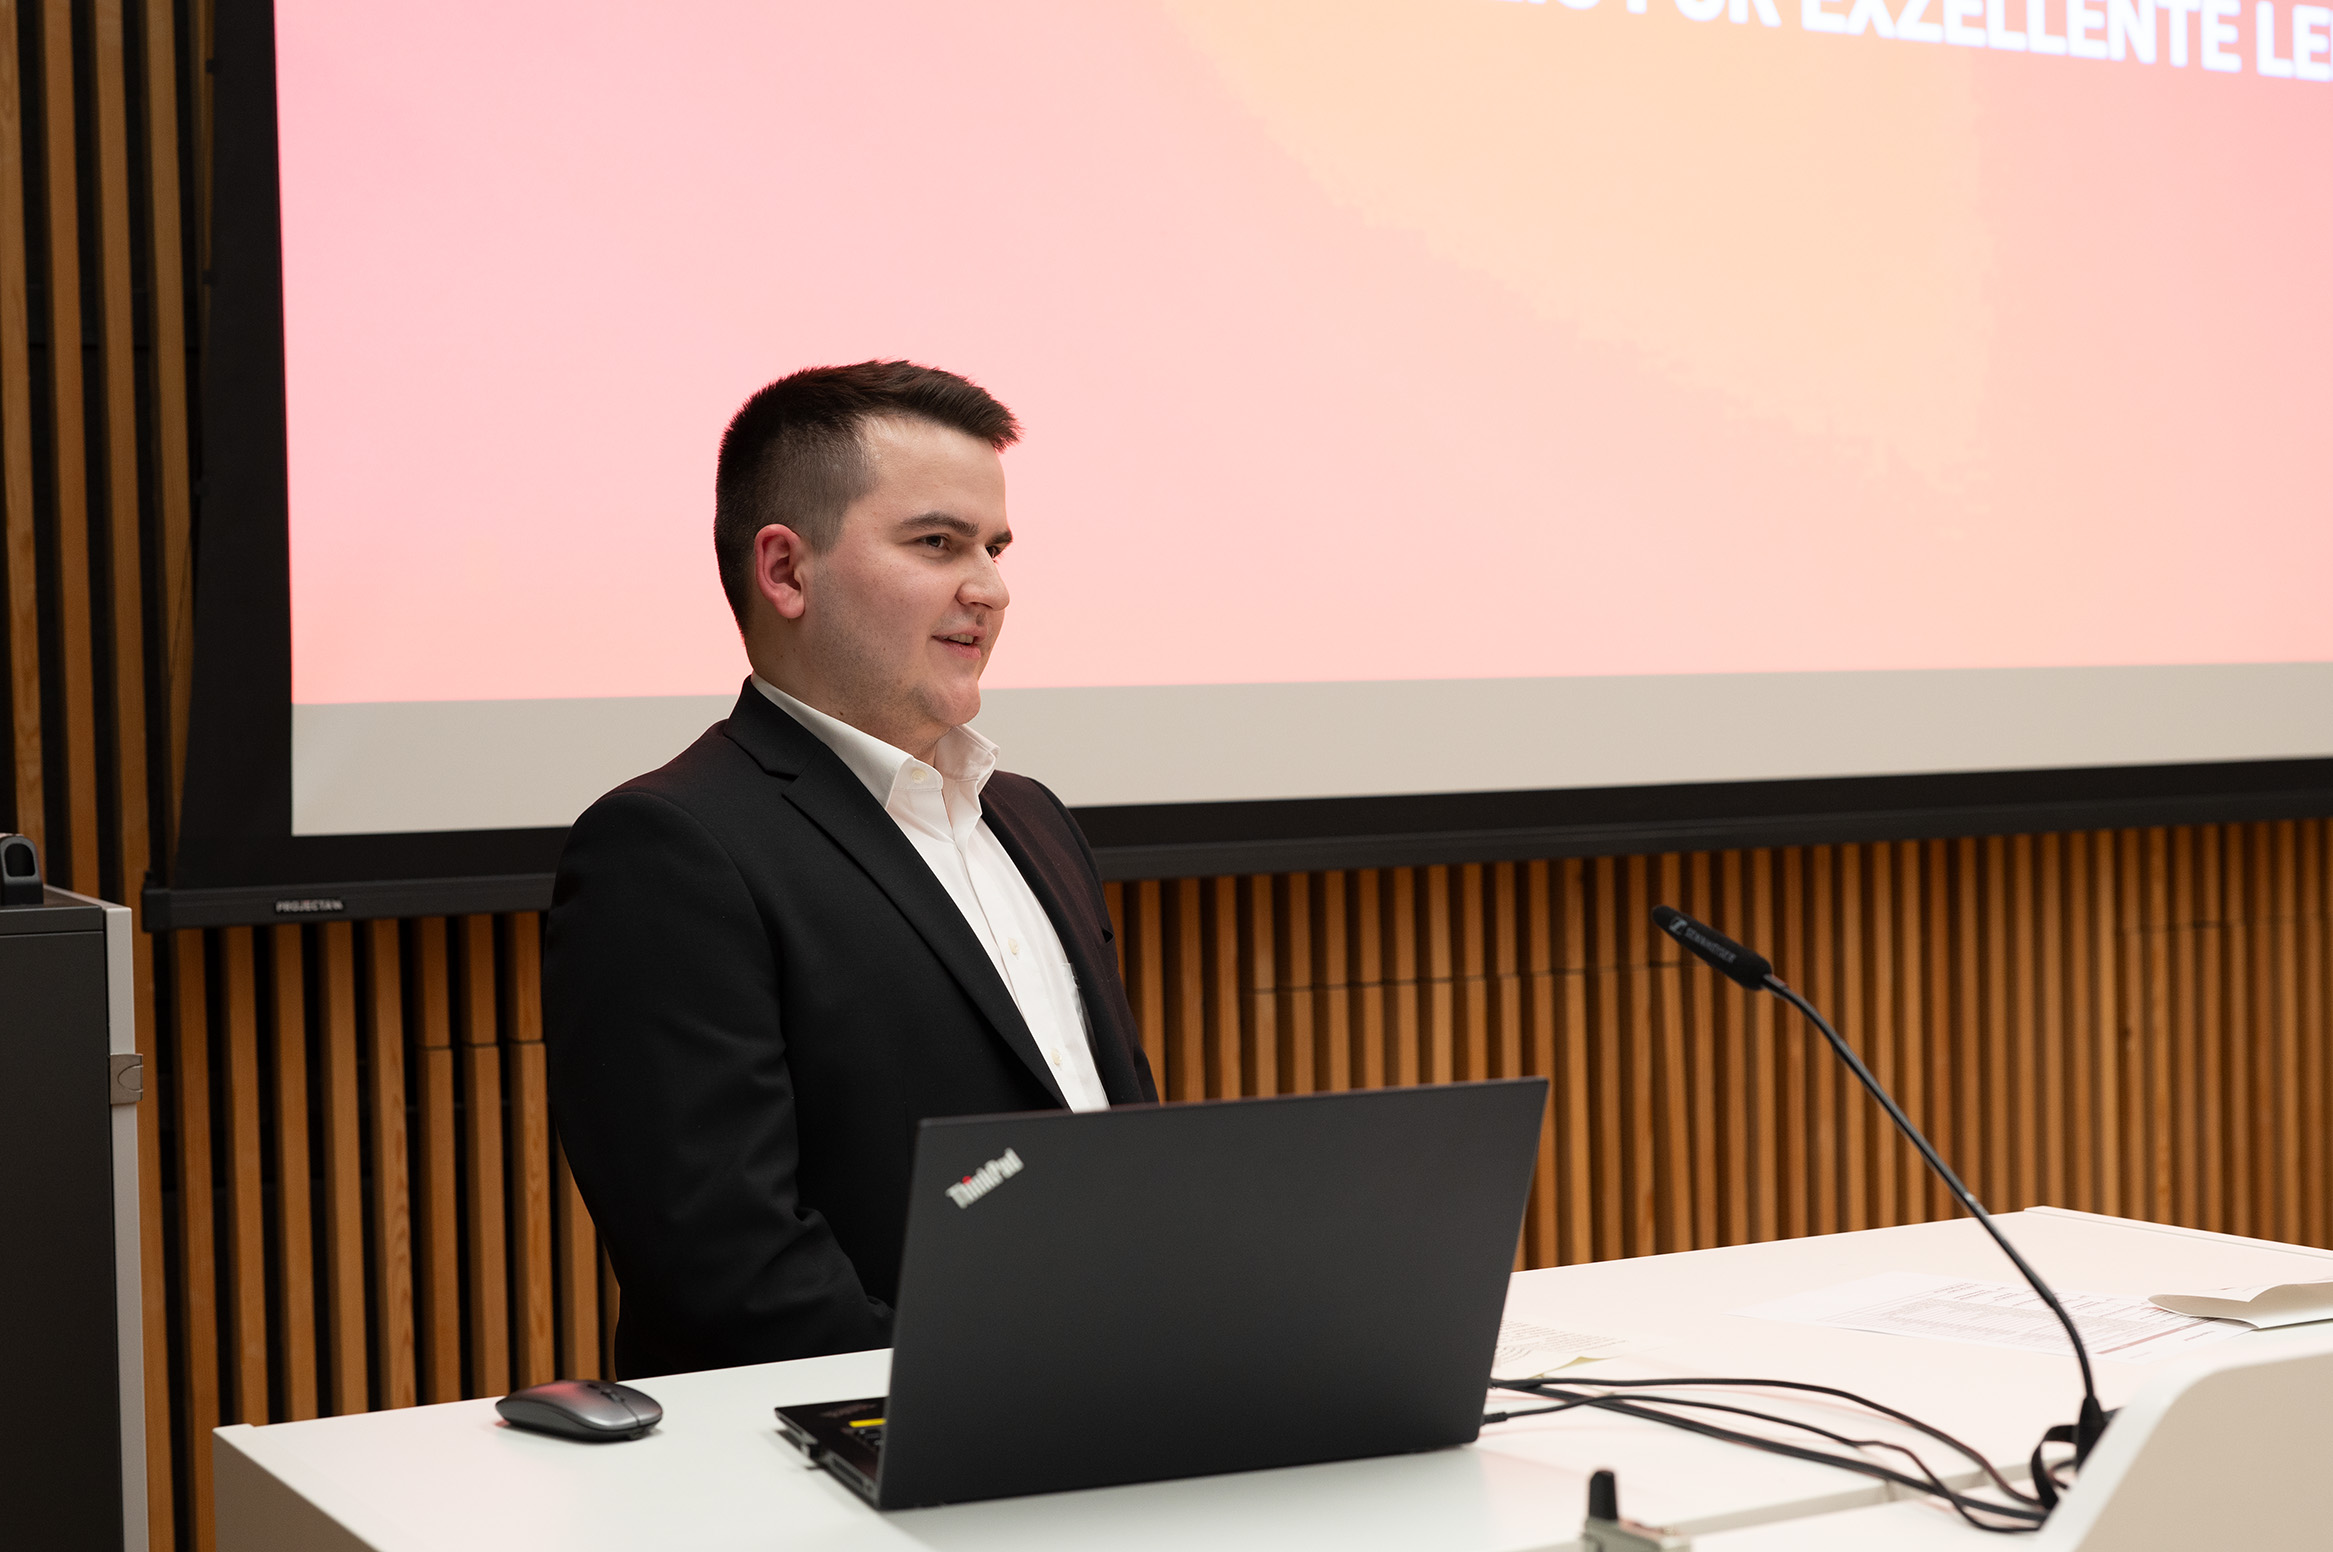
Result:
19,556
2049,911
68,454
2081,1020
1579,1200
1257,1026
2310,1018
522,1018
1369,977
1870,931
1820,958
1765,1074
384,1031
295,1269
437,1241
1792,1116
246,1181
1295,1012
2020,973
1607,1127
1854,1144
486,1243
2235,985
2211,1142
197,1357
344,1258
1148,978
125,592
173,486
1676,1116
1536,963
1332,980
2284,955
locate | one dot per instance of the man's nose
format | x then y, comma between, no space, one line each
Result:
985,588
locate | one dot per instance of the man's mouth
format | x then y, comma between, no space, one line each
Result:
968,640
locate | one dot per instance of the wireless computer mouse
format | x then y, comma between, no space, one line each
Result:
599,1410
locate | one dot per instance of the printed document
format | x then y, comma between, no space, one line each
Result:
1958,1309
1527,1351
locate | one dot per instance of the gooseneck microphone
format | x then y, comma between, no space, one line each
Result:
1739,964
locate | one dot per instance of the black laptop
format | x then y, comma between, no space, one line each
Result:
1171,1291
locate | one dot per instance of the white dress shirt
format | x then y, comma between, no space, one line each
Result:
938,810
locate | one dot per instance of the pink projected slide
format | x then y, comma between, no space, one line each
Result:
1355,339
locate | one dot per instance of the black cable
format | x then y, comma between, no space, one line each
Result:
1927,1482
2093,1416
1961,1503
1936,1484
1967,1452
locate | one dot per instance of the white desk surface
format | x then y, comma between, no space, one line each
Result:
717,1476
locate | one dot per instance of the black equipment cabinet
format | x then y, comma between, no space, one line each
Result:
72,1443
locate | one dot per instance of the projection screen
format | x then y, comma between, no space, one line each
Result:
1422,396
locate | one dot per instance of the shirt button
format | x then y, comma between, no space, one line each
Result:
1012,945
916,776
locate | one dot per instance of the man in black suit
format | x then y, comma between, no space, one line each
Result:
830,917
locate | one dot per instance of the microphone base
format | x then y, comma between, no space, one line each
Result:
2090,1428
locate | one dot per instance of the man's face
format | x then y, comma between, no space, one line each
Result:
900,614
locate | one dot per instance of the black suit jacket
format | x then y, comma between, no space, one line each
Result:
754,988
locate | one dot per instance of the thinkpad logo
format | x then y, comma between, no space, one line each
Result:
985,1179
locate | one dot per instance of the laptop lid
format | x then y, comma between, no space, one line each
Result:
1137,1294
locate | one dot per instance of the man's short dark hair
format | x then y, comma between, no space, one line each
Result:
796,452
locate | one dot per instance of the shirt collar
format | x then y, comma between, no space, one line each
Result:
963,755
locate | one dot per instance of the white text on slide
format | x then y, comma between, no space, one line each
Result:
2289,42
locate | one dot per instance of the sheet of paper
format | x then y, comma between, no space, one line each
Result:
1527,1351
1957,1309
2261,1305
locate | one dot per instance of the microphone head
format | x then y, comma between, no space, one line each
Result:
1714,948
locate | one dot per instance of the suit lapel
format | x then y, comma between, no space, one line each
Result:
834,799
1045,868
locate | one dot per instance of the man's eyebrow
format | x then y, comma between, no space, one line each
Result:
961,527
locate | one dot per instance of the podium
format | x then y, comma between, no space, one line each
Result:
717,1476
2221,1449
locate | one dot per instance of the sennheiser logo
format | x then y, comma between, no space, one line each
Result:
985,1179
1703,941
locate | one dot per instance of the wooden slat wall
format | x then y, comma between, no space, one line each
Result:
2131,1022
353,1196
365,1190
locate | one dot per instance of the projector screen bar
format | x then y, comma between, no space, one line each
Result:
1631,837
168,910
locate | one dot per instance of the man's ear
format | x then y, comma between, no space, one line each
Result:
781,562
